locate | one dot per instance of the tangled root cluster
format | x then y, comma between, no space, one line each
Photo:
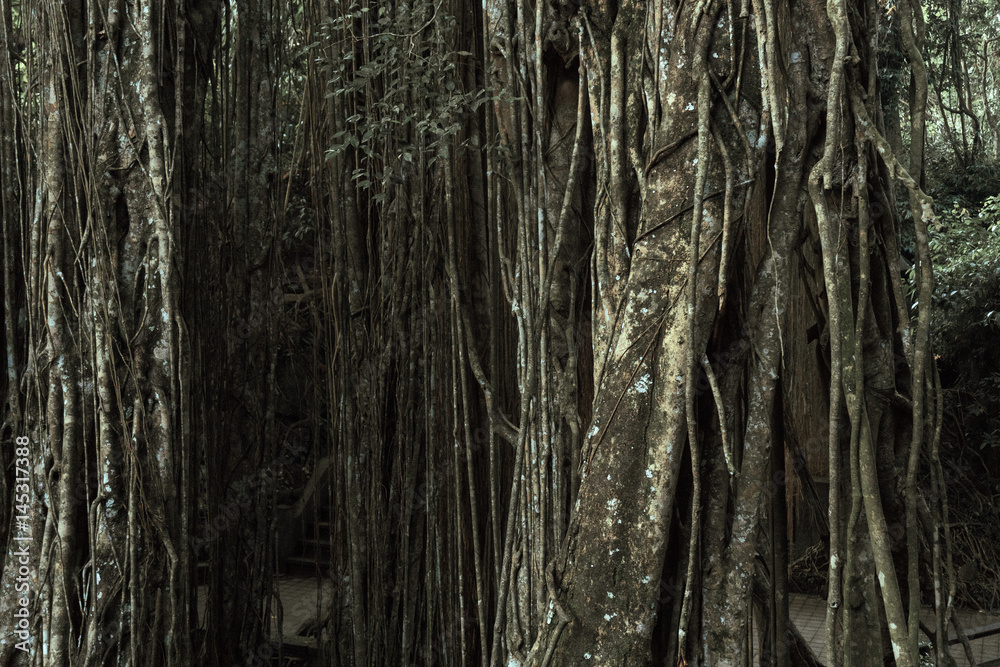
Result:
976,559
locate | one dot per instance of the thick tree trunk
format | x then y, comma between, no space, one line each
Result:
707,122
116,394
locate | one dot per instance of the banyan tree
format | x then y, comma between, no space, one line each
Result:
586,304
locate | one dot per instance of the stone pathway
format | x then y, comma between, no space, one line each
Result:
306,599
809,615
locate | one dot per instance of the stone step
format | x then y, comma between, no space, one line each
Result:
310,547
300,647
320,529
307,566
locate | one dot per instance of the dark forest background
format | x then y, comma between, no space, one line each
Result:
546,333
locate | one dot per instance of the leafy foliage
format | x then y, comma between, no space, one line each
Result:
966,255
968,185
402,88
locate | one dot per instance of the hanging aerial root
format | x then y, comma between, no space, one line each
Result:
859,386
570,185
727,223
704,138
720,407
926,203
837,13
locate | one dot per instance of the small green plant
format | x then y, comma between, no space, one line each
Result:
985,409
965,249
403,90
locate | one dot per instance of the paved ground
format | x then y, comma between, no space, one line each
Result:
302,596
809,615
303,601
